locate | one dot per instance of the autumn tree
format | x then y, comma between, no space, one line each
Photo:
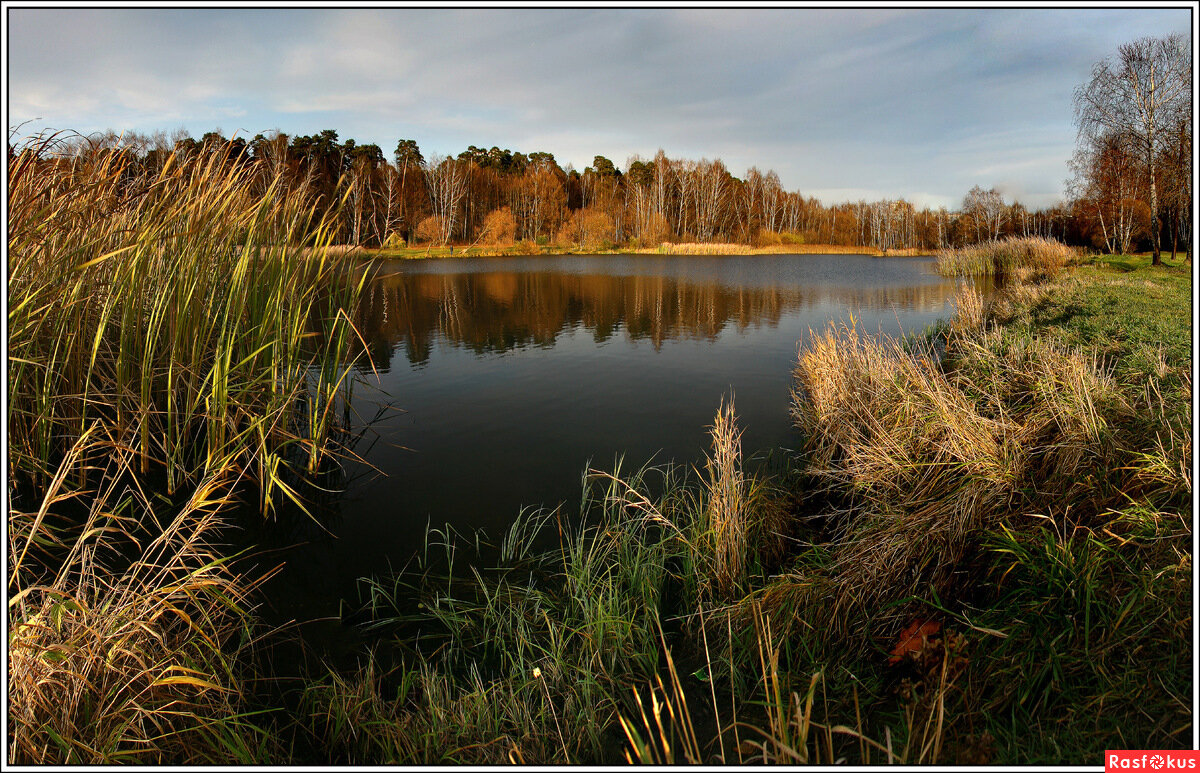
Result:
986,210
710,192
430,229
589,228
1141,94
499,227
538,198
1107,177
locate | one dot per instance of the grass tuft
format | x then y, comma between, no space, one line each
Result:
1032,257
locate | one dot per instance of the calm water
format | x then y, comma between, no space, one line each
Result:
502,379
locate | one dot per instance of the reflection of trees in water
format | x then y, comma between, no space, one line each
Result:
501,311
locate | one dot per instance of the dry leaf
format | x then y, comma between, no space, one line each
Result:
913,638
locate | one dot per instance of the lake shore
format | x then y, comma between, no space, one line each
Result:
986,523
985,536
667,248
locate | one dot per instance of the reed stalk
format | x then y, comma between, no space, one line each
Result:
177,338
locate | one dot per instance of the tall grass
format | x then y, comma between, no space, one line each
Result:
529,658
730,517
126,645
176,308
517,661
175,351
1032,256
926,458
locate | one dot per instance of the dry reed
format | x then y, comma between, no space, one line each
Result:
1033,257
730,505
177,337
113,661
930,452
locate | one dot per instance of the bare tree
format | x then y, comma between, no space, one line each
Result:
1143,92
446,180
987,211
710,191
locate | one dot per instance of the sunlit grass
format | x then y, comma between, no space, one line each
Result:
176,343
1034,256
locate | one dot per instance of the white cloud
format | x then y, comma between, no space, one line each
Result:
852,103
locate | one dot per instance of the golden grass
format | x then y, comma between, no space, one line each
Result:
525,247
931,456
177,338
837,249
792,727
1033,257
697,248
926,467
725,248
968,309
113,661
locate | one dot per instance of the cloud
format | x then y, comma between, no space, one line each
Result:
853,100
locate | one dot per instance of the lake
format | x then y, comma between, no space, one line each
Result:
500,380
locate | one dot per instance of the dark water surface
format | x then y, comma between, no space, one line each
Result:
512,375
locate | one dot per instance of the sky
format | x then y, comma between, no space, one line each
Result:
843,103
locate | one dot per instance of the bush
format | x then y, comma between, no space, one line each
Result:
499,227
430,229
766,238
589,228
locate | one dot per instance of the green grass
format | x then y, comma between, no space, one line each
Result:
530,658
1137,315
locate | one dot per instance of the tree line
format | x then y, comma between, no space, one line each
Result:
498,195
1130,189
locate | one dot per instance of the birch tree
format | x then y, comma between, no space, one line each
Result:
446,180
1142,93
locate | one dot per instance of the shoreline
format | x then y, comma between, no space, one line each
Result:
682,249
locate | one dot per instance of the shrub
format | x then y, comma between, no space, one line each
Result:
430,229
589,228
499,227
766,238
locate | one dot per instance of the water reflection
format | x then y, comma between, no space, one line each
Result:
493,311
502,380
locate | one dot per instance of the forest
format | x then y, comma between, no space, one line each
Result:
501,197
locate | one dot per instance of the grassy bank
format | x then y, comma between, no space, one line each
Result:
982,555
